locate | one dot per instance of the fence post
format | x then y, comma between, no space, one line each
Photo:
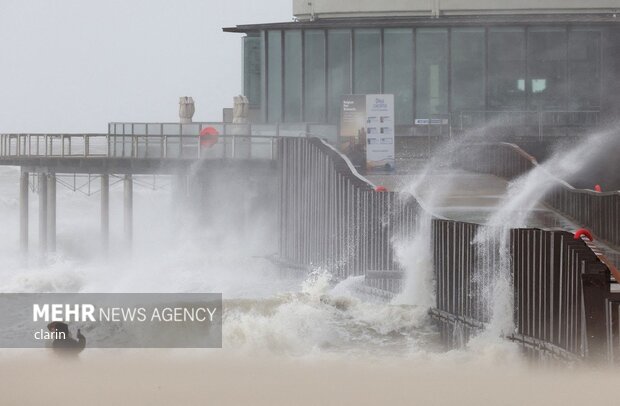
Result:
595,282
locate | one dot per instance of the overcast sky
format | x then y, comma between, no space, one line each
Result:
75,65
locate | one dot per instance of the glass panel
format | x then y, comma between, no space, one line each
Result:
547,68
431,72
506,68
584,67
314,87
468,69
339,70
252,69
398,72
367,64
292,76
274,76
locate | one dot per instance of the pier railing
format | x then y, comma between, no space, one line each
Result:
562,294
332,217
600,212
163,141
561,289
54,145
528,123
182,140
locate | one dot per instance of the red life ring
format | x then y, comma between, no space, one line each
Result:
583,232
208,137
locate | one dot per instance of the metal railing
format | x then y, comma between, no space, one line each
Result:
535,122
53,145
600,212
331,217
176,140
161,141
561,290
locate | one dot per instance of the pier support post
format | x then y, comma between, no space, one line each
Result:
105,211
128,182
42,213
23,211
51,212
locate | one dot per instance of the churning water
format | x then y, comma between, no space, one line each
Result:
266,310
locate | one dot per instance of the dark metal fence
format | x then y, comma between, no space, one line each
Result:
600,212
560,291
461,276
331,217
563,304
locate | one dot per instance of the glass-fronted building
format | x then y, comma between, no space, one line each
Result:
552,64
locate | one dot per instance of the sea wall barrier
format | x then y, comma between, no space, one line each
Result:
561,290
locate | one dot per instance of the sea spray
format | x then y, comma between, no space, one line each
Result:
415,256
414,252
514,210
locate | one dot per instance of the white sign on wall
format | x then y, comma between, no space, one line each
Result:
380,132
367,130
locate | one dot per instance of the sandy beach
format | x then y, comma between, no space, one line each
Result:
197,378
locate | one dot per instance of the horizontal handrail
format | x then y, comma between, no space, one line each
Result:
83,145
599,211
535,121
168,146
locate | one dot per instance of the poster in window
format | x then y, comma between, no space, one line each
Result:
367,131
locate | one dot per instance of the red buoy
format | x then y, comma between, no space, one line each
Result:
208,137
583,232
598,188
381,189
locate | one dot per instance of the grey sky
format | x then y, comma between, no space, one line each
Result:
74,65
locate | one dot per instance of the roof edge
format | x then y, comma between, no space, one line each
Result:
414,21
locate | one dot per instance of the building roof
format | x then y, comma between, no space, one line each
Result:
311,9
443,21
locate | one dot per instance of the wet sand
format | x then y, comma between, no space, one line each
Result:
196,378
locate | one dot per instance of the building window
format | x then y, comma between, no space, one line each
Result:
398,71
338,70
468,61
367,61
431,72
314,76
274,76
292,76
584,69
252,69
547,68
506,77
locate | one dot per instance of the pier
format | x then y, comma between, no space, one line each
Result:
564,287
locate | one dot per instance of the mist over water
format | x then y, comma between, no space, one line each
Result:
220,245
274,320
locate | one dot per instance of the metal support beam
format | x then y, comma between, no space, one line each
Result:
42,213
105,211
51,212
23,211
128,182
